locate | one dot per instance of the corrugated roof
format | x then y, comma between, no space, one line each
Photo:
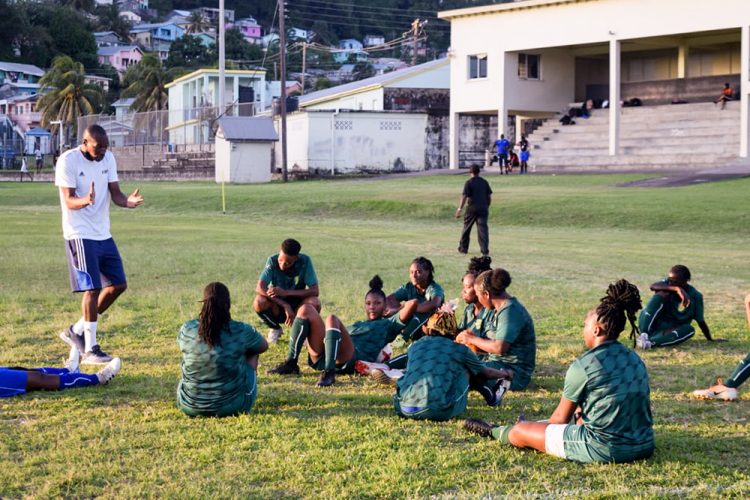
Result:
110,51
29,69
246,128
372,82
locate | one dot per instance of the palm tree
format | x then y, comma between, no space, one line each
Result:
65,94
146,82
198,23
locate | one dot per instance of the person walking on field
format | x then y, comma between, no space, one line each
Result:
25,170
39,159
477,196
87,180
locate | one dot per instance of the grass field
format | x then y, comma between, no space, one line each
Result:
562,238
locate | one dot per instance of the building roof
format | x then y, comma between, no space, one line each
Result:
38,132
110,51
504,7
29,69
124,102
214,71
246,128
371,83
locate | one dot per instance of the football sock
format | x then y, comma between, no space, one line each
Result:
740,374
331,343
501,433
300,331
268,320
75,380
78,327
89,334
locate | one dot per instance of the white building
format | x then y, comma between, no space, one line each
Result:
554,52
243,149
193,101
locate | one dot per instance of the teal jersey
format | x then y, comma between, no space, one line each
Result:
513,324
437,374
300,276
693,312
478,323
217,380
611,385
370,336
408,291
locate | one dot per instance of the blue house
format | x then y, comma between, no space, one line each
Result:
157,37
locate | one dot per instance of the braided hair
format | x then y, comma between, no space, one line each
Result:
622,299
478,265
214,316
376,287
425,264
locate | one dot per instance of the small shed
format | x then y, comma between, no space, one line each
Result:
38,138
243,149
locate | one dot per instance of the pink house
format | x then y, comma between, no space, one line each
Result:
120,57
249,28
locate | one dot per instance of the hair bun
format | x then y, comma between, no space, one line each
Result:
376,283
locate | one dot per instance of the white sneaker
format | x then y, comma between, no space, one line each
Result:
643,342
273,335
74,360
108,372
728,394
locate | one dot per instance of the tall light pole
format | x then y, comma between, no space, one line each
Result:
220,109
282,56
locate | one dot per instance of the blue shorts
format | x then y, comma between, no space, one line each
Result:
524,156
93,264
12,382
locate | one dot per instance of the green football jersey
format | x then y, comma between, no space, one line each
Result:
437,374
409,292
514,325
478,323
217,380
693,312
370,336
611,385
300,276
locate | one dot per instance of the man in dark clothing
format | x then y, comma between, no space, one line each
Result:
478,193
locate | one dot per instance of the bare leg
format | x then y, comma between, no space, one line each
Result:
90,305
313,301
528,435
108,296
41,381
317,330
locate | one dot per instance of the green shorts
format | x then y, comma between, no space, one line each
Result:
320,365
581,446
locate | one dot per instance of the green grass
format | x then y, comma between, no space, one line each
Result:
562,238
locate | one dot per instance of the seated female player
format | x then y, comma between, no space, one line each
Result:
727,390
219,359
606,390
666,319
435,385
511,339
429,294
476,318
334,348
16,380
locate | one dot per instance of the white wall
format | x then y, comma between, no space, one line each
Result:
551,92
242,162
437,78
375,141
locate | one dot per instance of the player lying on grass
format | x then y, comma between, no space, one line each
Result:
511,340
727,390
334,348
429,294
435,385
475,318
17,380
666,319
287,282
606,390
219,359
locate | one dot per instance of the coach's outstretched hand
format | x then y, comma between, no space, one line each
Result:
134,199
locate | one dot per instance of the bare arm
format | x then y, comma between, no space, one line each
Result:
747,309
392,305
489,200
461,204
563,413
76,203
664,287
119,198
704,328
410,307
487,345
429,306
489,373
275,292
261,288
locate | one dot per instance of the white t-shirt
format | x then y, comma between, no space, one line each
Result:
75,171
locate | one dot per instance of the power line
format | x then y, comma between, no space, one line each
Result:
359,7
362,10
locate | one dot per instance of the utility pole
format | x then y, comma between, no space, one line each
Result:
282,56
415,38
221,102
304,65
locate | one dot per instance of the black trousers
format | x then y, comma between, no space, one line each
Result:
483,233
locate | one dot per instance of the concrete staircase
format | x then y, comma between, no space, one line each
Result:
668,137
186,160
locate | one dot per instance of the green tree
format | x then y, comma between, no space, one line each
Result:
108,19
238,49
322,83
362,70
72,37
66,96
146,82
198,23
189,52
